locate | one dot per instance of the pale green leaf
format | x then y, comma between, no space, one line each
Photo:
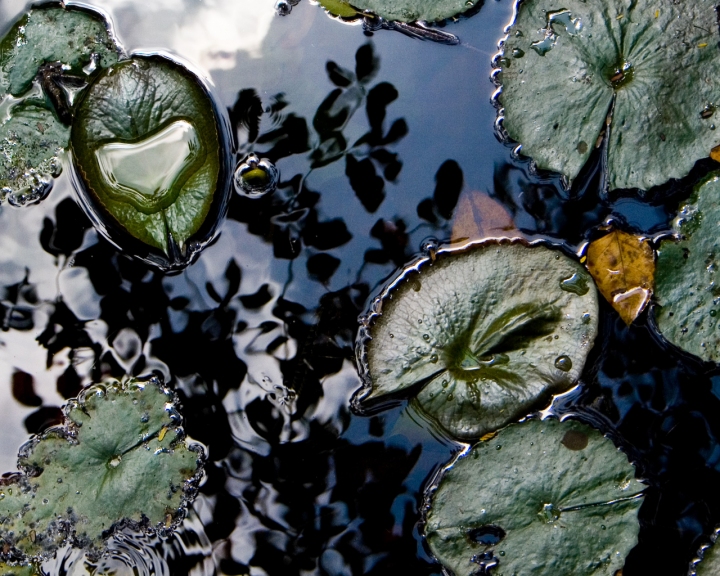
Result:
485,332
120,458
709,564
401,10
566,65
686,279
541,498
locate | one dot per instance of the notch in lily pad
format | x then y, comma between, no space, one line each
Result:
152,160
478,335
643,77
542,497
120,460
45,59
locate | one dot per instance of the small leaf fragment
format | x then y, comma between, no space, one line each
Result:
623,266
551,508
407,10
339,8
478,216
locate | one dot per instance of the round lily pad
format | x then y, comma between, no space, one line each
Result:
150,150
119,460
484,333
686,279
401,10
541,498
654,68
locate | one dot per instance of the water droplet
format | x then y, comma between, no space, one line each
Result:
255,177
145,417
544,46
450,397
518,53
564,18
713,313
419,321
434,358
45,500
392,335
602,527
498,447
444,383
563,363
576,284
416,286
586,318
502,552
59,480
426,337
549,513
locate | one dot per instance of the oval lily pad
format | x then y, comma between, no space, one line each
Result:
542,498
686,279
655,68
119,460
150,150
485,333
401,10
48,43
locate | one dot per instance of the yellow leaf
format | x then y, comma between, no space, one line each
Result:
702,45
623,267
479,216
163,431
715,153
488,436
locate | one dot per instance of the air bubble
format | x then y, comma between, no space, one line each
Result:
518,53
255,177
563,363
426,337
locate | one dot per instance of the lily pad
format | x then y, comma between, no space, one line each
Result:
484,333
686,279
655,68
147,145
119,460
31,143
401,10
32,137
541,498
708,563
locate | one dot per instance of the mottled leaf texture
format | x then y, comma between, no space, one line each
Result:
119,459
654,67
623,266
541,498
686,281
485,333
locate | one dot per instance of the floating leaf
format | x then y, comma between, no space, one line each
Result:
147,145
120,459
478,216
686,281
708,564
401,10
542,498
485,332
566,65
623,267
31,136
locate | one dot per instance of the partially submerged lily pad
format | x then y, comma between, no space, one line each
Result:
48,43
687,285
542,498
484,333
148,147
654,67
119,460
400,10
708,562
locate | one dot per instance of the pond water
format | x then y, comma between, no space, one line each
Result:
257,337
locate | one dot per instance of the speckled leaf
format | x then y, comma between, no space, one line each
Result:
53,34
542,498
486,333
148,116
414,10
31,141
566,63
623,266
686,280
119,459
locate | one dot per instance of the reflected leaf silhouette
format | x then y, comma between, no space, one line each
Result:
246,113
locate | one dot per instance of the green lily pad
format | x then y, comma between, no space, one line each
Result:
686,276
119,460
71,36
19,570
400,10
485,333
31,143
31,136
566,65
146,144
708,563
541,498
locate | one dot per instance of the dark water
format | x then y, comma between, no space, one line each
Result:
257,337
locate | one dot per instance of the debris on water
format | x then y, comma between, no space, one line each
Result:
255,177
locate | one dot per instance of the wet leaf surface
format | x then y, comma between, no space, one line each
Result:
148,116
479,216
541,498
121,459
623,266
486,333
685,282
656,68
